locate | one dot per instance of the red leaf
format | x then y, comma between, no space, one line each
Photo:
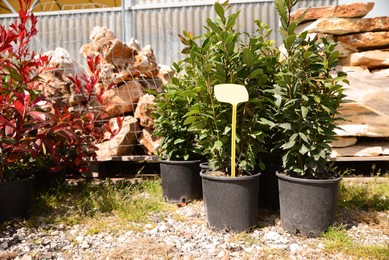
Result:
37,115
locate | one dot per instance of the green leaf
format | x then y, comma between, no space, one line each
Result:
286,126
220,10
178,141
192,112
256,73
288,145
326,109
303,149
229,39
282,11
227,129
190,120
304,137
293,137
218,145
231,20
290,40
247,57
14,74
304,111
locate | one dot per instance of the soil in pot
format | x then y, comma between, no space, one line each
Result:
230,202
307,206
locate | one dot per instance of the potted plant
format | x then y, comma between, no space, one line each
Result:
33,129
225,56
308,94
180,167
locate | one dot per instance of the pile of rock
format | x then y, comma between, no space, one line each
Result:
133,70
59,86
364,55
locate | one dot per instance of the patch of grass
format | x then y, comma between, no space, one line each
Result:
336,241
365,196
72,204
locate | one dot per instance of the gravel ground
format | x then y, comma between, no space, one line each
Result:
182,233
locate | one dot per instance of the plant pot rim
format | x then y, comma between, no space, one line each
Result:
290,178
179,161
229,178
26,177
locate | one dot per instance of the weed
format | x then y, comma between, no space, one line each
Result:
72,204
365,196
337,240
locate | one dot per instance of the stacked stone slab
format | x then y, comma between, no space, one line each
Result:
363,44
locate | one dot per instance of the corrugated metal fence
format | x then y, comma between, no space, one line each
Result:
154,22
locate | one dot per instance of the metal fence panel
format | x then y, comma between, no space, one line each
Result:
154,22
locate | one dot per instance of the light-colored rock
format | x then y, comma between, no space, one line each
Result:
133,43
145,64
363,149
344,51
367,111
165,73
58,85
364,40
357,151
118,54
100,37
154,84
339,26
343,141
380,73
122,143
61,59
370,59
100,33
150,143
89,50
144,110
123,99
346,11
360,121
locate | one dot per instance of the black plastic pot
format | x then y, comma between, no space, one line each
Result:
15,198
231,203
181,182
45,179
268,188
307,207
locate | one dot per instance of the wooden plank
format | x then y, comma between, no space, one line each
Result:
360,158
136,158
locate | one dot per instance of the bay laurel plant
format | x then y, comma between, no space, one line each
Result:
171,106
225,55
308,94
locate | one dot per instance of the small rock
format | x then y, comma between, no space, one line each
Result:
4,245
79,239
293,248
220,254
272,236
321,246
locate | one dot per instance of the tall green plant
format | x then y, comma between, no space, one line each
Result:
308,95
225,55
171,106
